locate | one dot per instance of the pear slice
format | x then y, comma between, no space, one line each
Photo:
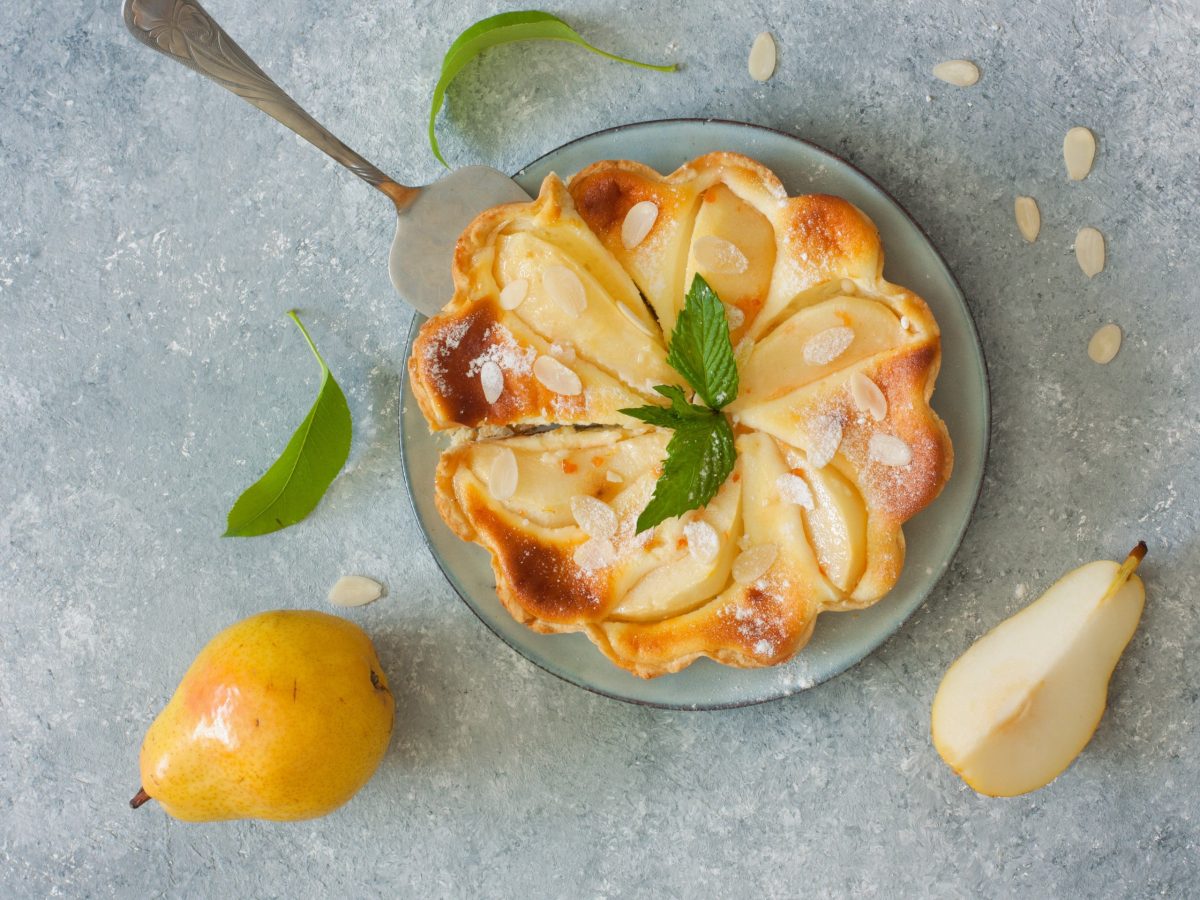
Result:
1014,711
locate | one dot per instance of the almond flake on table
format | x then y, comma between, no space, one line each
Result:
502,477
868,397
762,57
752,564
958,72
638,222
703,542
355,590
826,346
564,287
889,450
1029,218
794,489
594,517
514,294
491,379
719,256
556,377
1089,251
1105,344
1079,152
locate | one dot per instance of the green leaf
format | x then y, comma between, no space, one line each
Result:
297,481
700,456
674,416
505,28
700,348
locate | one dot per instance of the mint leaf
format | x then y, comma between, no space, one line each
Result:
700,456
503,29
297,481
700,348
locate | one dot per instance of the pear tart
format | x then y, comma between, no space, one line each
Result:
837,445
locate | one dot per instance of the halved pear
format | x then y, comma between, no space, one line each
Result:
1014,711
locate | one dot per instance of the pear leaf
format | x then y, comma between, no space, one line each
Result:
297,481
525,25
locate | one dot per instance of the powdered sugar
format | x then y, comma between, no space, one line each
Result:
703,542
825,439
826,346
794,489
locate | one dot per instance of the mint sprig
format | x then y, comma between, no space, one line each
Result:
700,454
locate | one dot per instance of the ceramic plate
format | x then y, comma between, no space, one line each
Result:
933,536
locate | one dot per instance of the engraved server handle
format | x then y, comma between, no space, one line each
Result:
182,30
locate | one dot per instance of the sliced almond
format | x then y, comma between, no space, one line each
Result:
735,316
514,294
958,72
794,489
826,439
1079,152
719,256
868,397
703,541
564,287
556,377
595,553
491,379
1029,218
889,450
1105,344
752,564
613,477
1089,251
595,517
848,286
638,222
355,590
826,346
762,57
502,478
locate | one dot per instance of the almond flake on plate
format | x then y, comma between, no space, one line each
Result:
595,553
826,439
1105,344
1079,151
889,450
1029,218
703,542
556,377
794,489
491,379
958,72
719,256
595,517
355,590
826,346
502,478
752,564
868,397
638,222
564,287
1089,251
514,293
762,57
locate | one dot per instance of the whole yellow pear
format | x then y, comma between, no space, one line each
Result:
284,715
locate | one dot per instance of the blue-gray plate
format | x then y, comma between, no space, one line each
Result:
933,536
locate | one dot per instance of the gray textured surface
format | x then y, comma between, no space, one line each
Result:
155,229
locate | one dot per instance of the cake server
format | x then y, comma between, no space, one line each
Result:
429,219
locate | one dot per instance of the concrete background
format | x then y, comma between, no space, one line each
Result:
154,231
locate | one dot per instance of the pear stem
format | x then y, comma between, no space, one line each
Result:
1136,555
139,798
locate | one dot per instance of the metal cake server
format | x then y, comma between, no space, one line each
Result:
430,218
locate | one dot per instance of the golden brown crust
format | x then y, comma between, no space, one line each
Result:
654,604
